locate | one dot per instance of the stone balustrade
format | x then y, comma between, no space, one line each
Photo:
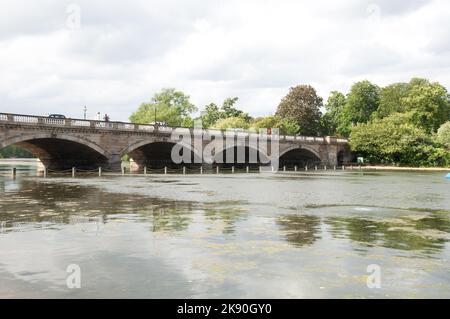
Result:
123,126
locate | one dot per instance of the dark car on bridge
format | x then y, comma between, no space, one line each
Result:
56,116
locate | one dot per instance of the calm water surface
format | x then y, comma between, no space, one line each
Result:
289,235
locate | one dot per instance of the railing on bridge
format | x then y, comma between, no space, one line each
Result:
122,126
25,119
52,121
80,123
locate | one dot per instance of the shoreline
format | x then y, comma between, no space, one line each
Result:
402,168
347,167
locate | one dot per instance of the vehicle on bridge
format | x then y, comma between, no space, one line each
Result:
159,123
57,116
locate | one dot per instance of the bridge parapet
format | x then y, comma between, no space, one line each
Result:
48,121
34,120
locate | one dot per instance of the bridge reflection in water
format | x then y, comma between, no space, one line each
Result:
85,144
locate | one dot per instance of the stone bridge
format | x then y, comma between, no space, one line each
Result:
87,144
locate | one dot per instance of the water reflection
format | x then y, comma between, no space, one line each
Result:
214,236
300,230
228,215
40,204
171,217
44,205
428,234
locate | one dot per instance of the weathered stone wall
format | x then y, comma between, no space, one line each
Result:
105,147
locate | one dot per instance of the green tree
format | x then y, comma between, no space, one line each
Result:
362,101
391,99
394,139
169,105
443,135
231,122
429,104
286,126
270,121
302,105
332,118
212,113
230,110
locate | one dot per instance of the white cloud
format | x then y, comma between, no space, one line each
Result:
256,50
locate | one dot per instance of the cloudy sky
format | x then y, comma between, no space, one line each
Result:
57,56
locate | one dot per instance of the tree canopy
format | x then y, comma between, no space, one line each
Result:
332,119
394,139
429,104
362,100
391,99
212,113
286,126
169,105
231,122
302,105
443,135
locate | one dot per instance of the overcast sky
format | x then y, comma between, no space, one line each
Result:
114,55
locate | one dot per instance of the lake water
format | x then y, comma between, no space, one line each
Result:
287,235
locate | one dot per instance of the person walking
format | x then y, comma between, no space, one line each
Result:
106,118
98,116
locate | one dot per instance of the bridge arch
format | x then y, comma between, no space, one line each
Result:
61,151
24,138
344,155
156,153
300,156
220,158
132,147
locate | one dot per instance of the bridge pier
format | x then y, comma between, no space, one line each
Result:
40,166
135,167
114,162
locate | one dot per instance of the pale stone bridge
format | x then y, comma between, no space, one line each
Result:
66,143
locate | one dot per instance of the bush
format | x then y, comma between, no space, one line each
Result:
396,140
286,126
443,135
231,122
